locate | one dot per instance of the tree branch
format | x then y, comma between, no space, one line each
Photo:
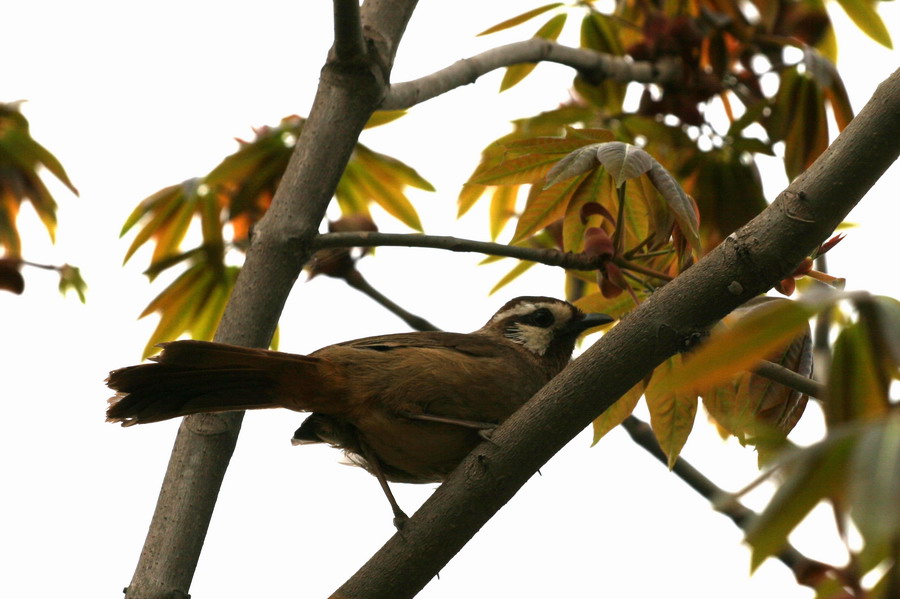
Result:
789,378
348,93
721,500
757,256
593,66
355,279
550,257
348,38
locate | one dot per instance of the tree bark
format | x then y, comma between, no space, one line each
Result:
351,87
748,263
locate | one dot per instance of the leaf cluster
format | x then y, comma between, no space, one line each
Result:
21,161
226,203
729,55
856,467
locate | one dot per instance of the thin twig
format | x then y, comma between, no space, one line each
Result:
721,500
548,256
789,378
355,279
593,66
629,265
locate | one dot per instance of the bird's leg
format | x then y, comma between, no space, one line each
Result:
400,516
484,428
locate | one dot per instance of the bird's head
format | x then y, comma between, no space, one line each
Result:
544,326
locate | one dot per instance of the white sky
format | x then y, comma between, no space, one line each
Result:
132,97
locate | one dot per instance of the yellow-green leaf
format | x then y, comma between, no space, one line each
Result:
503,207
512,275
545,206
863,13
761,331
671,412
518,170
617,413
550,31
390,198
874,486
815,473
468,195
70,280
856,388
617,307
519,19
382,117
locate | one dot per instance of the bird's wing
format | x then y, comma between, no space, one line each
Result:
469,344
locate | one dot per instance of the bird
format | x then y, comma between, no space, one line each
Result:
407,407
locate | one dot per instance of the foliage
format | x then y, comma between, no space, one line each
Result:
643,179
227,202
21,161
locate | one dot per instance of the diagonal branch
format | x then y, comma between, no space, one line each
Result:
348,94
593,66
805,569
757,256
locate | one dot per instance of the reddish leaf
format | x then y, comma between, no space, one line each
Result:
10,278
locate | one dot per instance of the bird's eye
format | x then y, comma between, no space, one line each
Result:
540,318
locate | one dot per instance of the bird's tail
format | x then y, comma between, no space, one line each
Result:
190,377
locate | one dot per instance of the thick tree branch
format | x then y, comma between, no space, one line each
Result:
757,256
348,93
593,66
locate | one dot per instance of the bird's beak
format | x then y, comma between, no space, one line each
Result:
589,322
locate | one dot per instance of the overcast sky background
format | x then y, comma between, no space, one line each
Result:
132,97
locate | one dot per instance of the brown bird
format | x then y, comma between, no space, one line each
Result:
406,407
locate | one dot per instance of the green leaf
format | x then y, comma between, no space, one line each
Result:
550,31
468,195
874,486
512,275
70,279
863,13
390,198
671,412
522,18
503,207
518,170
545,206
161,213
814,474
179,306
383,117
856,388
